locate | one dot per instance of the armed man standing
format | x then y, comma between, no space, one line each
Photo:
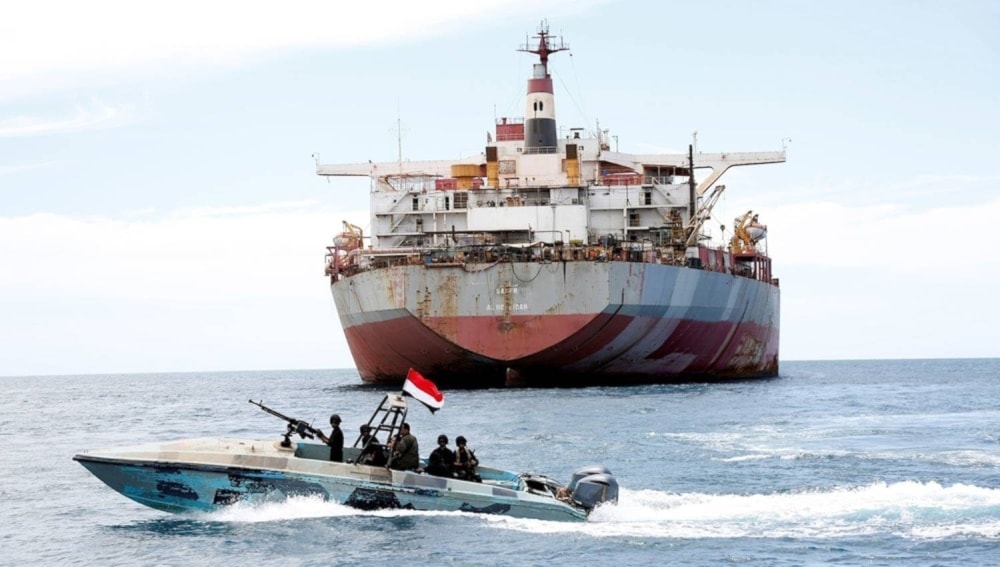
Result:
335,440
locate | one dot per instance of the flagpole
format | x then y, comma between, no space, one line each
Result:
391,441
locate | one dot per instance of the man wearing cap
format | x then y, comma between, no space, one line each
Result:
335,440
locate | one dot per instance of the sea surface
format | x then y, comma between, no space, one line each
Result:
833,463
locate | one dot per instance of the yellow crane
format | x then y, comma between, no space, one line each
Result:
352,237
746,233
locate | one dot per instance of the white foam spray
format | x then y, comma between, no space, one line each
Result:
300,507
907,509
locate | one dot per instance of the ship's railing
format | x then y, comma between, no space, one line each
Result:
633,179
425,185
659,180
474,257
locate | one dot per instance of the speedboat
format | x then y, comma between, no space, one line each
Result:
207,474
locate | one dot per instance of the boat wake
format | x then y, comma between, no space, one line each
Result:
904,509
911,510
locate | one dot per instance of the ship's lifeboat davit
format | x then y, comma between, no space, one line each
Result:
756,232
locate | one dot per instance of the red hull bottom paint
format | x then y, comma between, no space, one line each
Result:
599,352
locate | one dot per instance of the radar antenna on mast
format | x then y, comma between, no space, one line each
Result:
545,46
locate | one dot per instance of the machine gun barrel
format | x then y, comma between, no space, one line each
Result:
298,426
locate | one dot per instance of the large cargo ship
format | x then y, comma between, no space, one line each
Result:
552,260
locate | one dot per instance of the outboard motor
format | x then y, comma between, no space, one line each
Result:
593,485
586,471
595,489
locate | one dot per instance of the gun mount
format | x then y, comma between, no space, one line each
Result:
295,426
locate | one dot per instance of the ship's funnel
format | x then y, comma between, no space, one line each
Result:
540,107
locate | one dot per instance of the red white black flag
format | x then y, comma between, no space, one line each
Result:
423,390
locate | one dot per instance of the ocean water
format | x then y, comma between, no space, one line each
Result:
833,463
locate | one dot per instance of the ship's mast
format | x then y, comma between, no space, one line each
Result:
540,108
691,188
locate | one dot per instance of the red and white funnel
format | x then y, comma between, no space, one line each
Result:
540,108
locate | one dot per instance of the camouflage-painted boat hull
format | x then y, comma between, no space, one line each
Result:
203,475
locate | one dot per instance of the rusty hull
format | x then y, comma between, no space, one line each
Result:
563,323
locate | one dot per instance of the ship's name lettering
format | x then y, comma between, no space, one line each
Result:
512,290
513,307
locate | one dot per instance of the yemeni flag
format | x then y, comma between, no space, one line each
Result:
423,390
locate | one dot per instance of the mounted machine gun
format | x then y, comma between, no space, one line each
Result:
295,426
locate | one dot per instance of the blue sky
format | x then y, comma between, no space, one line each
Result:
159,209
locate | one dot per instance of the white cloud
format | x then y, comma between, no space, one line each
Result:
92,115
50,44
270,251
895,238
915,192
12,169
885,281
199,289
